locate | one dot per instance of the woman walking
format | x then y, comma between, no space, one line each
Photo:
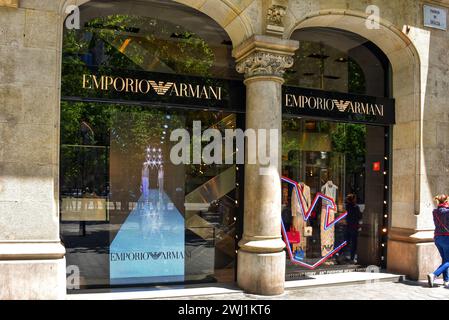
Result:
441,221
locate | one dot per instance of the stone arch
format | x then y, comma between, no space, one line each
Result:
407,138
228,15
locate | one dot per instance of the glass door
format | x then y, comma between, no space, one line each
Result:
345,163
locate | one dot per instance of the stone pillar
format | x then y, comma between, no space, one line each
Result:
32,263
261,257
420,146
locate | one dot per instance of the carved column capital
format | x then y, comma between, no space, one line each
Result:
265,56
264,64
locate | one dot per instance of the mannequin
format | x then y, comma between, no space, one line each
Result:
306,194
297,214
329,189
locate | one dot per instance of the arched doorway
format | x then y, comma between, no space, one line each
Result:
336,142
406,138
133,75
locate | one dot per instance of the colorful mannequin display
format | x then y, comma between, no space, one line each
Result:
329,189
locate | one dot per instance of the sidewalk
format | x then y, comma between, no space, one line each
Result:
344,286
375,291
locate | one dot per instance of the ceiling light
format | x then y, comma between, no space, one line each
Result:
342,60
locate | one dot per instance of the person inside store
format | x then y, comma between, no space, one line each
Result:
353,221
441,221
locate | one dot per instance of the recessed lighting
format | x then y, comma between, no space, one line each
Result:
342,60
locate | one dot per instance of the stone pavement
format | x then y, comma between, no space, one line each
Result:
406,290
341,286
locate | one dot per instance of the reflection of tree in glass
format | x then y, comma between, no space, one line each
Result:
131,124
136,128
357,82
305,71
350,140
130,128
72,65
122,42
133,42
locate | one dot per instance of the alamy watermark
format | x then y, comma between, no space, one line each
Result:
262,147
73,277
373,20
373,280
73,19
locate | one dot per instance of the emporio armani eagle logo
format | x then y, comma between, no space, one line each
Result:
342,105
155,255
161,88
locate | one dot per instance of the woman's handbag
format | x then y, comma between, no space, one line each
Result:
300,255
293,236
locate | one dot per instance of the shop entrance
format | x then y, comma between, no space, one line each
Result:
338,115
336,160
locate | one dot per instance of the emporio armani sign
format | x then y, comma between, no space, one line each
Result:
142,256
297,101
325,104
146,86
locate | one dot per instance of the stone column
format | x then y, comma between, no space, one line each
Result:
32,263
261,257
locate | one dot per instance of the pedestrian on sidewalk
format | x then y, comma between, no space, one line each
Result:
441,221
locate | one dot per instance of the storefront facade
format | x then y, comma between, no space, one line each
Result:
356,109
